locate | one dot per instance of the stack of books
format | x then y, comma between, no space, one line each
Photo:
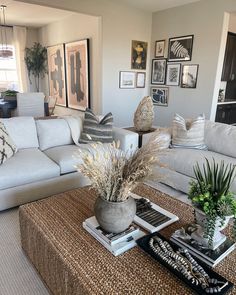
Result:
115,243
182,238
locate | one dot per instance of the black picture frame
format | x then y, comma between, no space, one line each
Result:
158,75
160,48
160,96
189,76
180,48
173,74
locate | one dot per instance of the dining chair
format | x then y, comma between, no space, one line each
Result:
30,104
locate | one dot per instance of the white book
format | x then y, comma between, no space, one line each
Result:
161,217
111,238
119,248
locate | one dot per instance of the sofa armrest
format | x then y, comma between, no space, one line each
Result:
164,135
128,139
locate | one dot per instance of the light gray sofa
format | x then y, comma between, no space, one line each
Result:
44,164
221,142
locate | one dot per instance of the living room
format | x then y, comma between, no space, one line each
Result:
111,26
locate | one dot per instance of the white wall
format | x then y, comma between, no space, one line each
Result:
119,25
73,28
207,21
232,23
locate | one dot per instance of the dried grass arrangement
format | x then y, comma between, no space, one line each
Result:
115,173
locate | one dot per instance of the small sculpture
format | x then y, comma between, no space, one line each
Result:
144,115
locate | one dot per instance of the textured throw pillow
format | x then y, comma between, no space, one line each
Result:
7,147
188,133
93,130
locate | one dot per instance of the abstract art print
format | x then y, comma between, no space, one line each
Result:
139,55
56,73
77,74
189,76
158,71
160,95
173,74
180,48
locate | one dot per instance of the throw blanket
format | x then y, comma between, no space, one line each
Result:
76,126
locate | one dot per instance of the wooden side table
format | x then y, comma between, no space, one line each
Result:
140,134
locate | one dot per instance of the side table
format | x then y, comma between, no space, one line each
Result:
140,134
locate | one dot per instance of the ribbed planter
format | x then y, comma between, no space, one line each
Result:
115,217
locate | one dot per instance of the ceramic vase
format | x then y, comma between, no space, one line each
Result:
114,217
218,237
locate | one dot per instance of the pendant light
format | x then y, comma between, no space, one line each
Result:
5,50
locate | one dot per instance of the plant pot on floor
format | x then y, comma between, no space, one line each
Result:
115,217
218,237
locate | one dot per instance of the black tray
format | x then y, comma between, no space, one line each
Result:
143,243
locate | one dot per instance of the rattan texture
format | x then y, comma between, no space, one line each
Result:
71,261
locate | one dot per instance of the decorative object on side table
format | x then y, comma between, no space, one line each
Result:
114,174
214,203
144,115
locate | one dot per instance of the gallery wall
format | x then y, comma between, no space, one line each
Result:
119,26
206,21
76,27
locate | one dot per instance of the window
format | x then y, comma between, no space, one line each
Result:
8,73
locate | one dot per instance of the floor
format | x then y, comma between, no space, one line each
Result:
17,275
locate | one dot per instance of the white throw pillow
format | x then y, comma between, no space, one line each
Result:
188,133
7,147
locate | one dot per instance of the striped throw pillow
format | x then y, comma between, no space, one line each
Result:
7,147
93,130
188,133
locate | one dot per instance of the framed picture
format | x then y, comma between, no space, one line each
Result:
127,79
158,71
160,96
77,74
139,55
189,76
160,48
180,48
140,79
173,74
56,73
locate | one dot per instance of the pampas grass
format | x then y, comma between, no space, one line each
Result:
115,173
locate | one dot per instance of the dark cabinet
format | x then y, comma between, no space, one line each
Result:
229,67
226,113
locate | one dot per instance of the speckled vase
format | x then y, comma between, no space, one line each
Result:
114,217
144,115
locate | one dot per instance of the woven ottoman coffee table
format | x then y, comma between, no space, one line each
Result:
72,262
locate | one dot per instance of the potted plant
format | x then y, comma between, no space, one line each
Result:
114,174
36,62
213,201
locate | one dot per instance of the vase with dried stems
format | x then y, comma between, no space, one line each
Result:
114,174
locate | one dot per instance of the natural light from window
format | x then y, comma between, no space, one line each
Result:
8,73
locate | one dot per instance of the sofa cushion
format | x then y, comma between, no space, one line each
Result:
221,138
64,157
188,133
22,131
95,130
7,146
183,160
27,166
53,132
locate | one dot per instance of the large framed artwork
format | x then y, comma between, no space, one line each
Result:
180,48
189,76
158,71
160,96
77,74
139,55
56,73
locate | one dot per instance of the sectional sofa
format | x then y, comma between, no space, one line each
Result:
44,164
220,140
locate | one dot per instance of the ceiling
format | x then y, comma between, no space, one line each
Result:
155,5
20,13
